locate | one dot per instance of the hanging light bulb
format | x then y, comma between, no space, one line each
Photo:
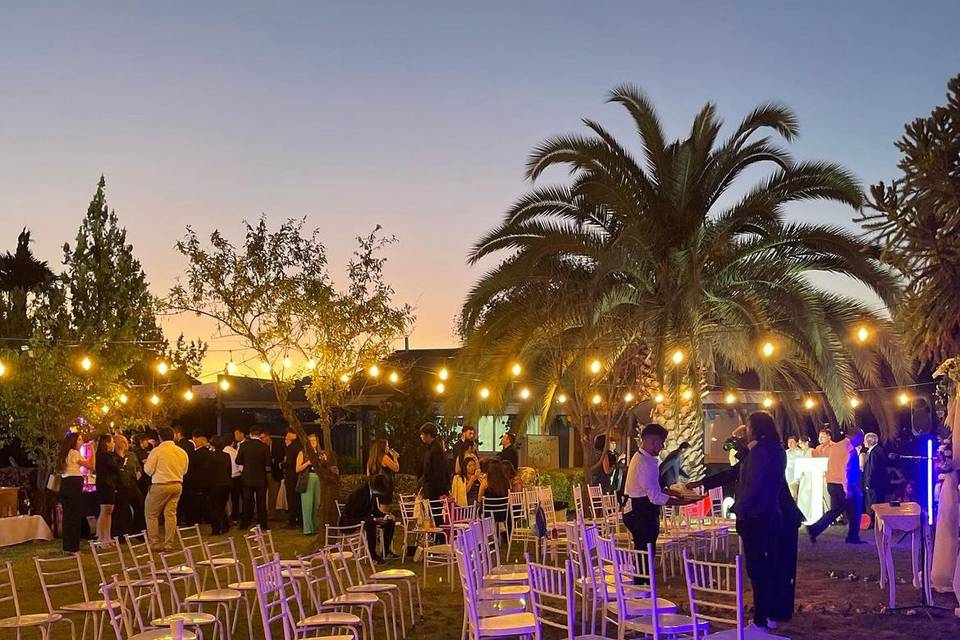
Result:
265,366
105,409
562,398
516,369
809,403
628,396
3,369
524,393
903,399
767,402
730,398
123,398
767,349
659,398
154,399
224,384
311,364
443,374
440,388
188,395
287,362
86,363
677,357
863,334
484,393
854,403
231,368
374,371
596,399
595,366
394,377
163,368
344,378
687,394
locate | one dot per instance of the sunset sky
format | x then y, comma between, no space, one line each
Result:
416,116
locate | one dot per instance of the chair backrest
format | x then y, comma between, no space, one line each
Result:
339,509
116,608
256,550
578,502
140,553
191,538
498,508
144,597
595,492
408,508
716,502
8,589
108,556
62,575
582,552
352,539
181,575
273,592
629,567
716,592
320,576
233,571
439,510
552,597
463,514
465,559
519,513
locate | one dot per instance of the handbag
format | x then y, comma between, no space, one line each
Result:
540,522
303,479
53,482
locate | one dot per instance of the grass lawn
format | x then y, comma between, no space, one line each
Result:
832,607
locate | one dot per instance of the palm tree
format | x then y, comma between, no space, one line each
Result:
642,257
21,274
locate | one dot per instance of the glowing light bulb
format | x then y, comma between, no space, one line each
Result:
374,371
224,384
105,409
287,362
265,366
443,374
730,398
163,368
344,378
231,367
658,398
854,403
3,369
903,399
123,398
863,334
595,366
677,356
596,399
86,363
394,377
809,403
628,396
516,369
687,394
484,393
562,398
524,393
188,395
440,388
767,349
311,364
767,402
154,399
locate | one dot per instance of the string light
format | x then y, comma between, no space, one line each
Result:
596,399
730,398
265,366
767,349
374,371
344,378
123,398
231,367
224,384
854,403
311,364
440,388
86,363
516,369
767,402
562,398
105,409
287,362
809,403
154,399
443,374
163,368
524,393
903,399
484,393
687,394
188,395
595,366
677,357
628,397
658,398
863,334
3,369
394,377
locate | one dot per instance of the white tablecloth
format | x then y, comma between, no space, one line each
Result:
907,518
19,529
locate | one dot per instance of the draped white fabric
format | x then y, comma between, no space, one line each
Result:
19,529
945,576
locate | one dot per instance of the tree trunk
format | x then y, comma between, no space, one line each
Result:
684,424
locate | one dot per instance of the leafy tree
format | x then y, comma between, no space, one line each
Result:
274,293
21,276
641,255
915,220
399,420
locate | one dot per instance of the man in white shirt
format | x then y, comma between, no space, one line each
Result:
166,465
641,514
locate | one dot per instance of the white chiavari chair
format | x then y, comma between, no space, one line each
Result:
42,622
521,624
187,593
326,595
553,600
65,591
121,619
521,524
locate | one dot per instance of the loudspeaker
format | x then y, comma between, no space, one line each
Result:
921,417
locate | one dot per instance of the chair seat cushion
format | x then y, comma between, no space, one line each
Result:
329,620
355,597
248,585
189,618
506,577
293,562
181,570
376,587
393,574
750,632
502,592
162,634
29,620
488,608
93,605
294,572
644,607
512,624
214,595
668,623
338,555
219,562
439,549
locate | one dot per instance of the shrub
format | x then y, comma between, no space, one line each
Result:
562,482
402,483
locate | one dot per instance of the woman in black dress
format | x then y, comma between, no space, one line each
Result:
108,479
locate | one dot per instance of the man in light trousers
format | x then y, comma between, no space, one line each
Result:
166,465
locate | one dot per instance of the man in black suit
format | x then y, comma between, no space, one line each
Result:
362,506
186,510
509,451
254,456
291,450
200,472
876,477
218,491
435,476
